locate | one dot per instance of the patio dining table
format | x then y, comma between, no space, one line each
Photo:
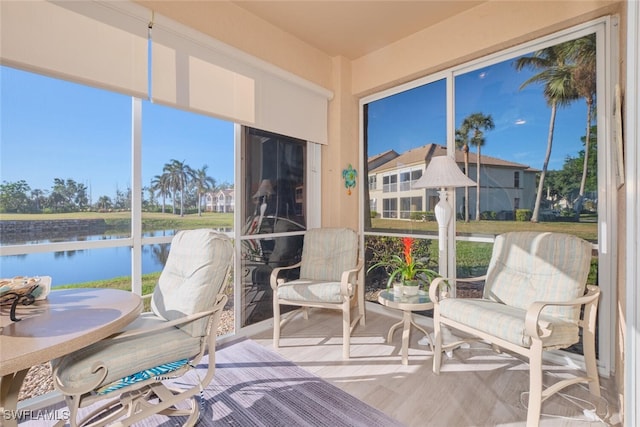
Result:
67,320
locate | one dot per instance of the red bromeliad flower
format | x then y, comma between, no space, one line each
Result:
407,242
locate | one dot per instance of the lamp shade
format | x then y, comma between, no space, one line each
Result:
443,172
265,189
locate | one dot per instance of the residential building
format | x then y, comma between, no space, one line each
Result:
222,200
504,186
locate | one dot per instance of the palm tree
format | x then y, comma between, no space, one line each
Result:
472,129
462,142
160,184
582,52
104,202
203,183
556,75
178,175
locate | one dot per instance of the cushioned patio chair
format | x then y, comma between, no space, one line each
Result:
329,270
128,370
535,288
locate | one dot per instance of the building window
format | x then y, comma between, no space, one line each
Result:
372,182
389,208
409,205
390,183
516,179
405,181
516,203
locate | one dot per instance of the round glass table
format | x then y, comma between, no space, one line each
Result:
408,304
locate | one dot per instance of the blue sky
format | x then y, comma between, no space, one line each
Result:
55,129
521,117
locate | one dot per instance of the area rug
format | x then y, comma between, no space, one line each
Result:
254,386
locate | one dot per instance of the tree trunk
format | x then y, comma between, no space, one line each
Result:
536,208
465,150
478,184
587,144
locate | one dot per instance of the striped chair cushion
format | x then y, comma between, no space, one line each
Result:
195,271
125,356
506,322
311,291
529,266
327,253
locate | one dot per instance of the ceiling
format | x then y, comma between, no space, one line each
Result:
357,27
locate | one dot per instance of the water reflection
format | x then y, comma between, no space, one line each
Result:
79,266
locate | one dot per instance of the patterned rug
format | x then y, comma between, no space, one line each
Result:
254,386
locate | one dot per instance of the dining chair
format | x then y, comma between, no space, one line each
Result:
535,299
129,372
329,278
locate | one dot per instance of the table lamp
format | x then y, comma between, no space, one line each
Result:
443,172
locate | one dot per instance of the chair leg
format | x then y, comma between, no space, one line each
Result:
276,322
361,305
437,343
535,384
589,349
346,329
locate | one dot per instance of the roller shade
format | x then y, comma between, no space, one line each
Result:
195,72
85,42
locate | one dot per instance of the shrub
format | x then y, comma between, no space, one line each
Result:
523,214
492,215
373,214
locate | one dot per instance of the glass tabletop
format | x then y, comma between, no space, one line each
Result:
421,298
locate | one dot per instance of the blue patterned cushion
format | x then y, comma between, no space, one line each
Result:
327,253
194,274
158,372
530,266
506,322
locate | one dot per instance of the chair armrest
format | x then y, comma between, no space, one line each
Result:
344,279
273,280
221,300
532,324
434,288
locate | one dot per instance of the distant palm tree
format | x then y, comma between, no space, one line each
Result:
472,130
462,142
203,183
582,52
160,184
556,75
179,175
104,202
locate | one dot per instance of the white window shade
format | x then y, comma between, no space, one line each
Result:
99,46
195,72
185,75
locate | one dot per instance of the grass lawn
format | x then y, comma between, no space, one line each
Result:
586,230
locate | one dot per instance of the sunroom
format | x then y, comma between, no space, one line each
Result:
278,102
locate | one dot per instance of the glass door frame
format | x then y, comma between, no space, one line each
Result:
607,71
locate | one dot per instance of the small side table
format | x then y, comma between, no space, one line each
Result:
408,304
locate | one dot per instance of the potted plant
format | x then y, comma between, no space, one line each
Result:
406,269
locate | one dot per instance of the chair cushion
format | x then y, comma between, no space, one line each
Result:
194,274
127,356
159,372
327,253
506,322
531,266
311,291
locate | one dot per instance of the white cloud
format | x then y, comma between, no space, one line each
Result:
520,122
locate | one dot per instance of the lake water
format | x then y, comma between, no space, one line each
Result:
71,267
